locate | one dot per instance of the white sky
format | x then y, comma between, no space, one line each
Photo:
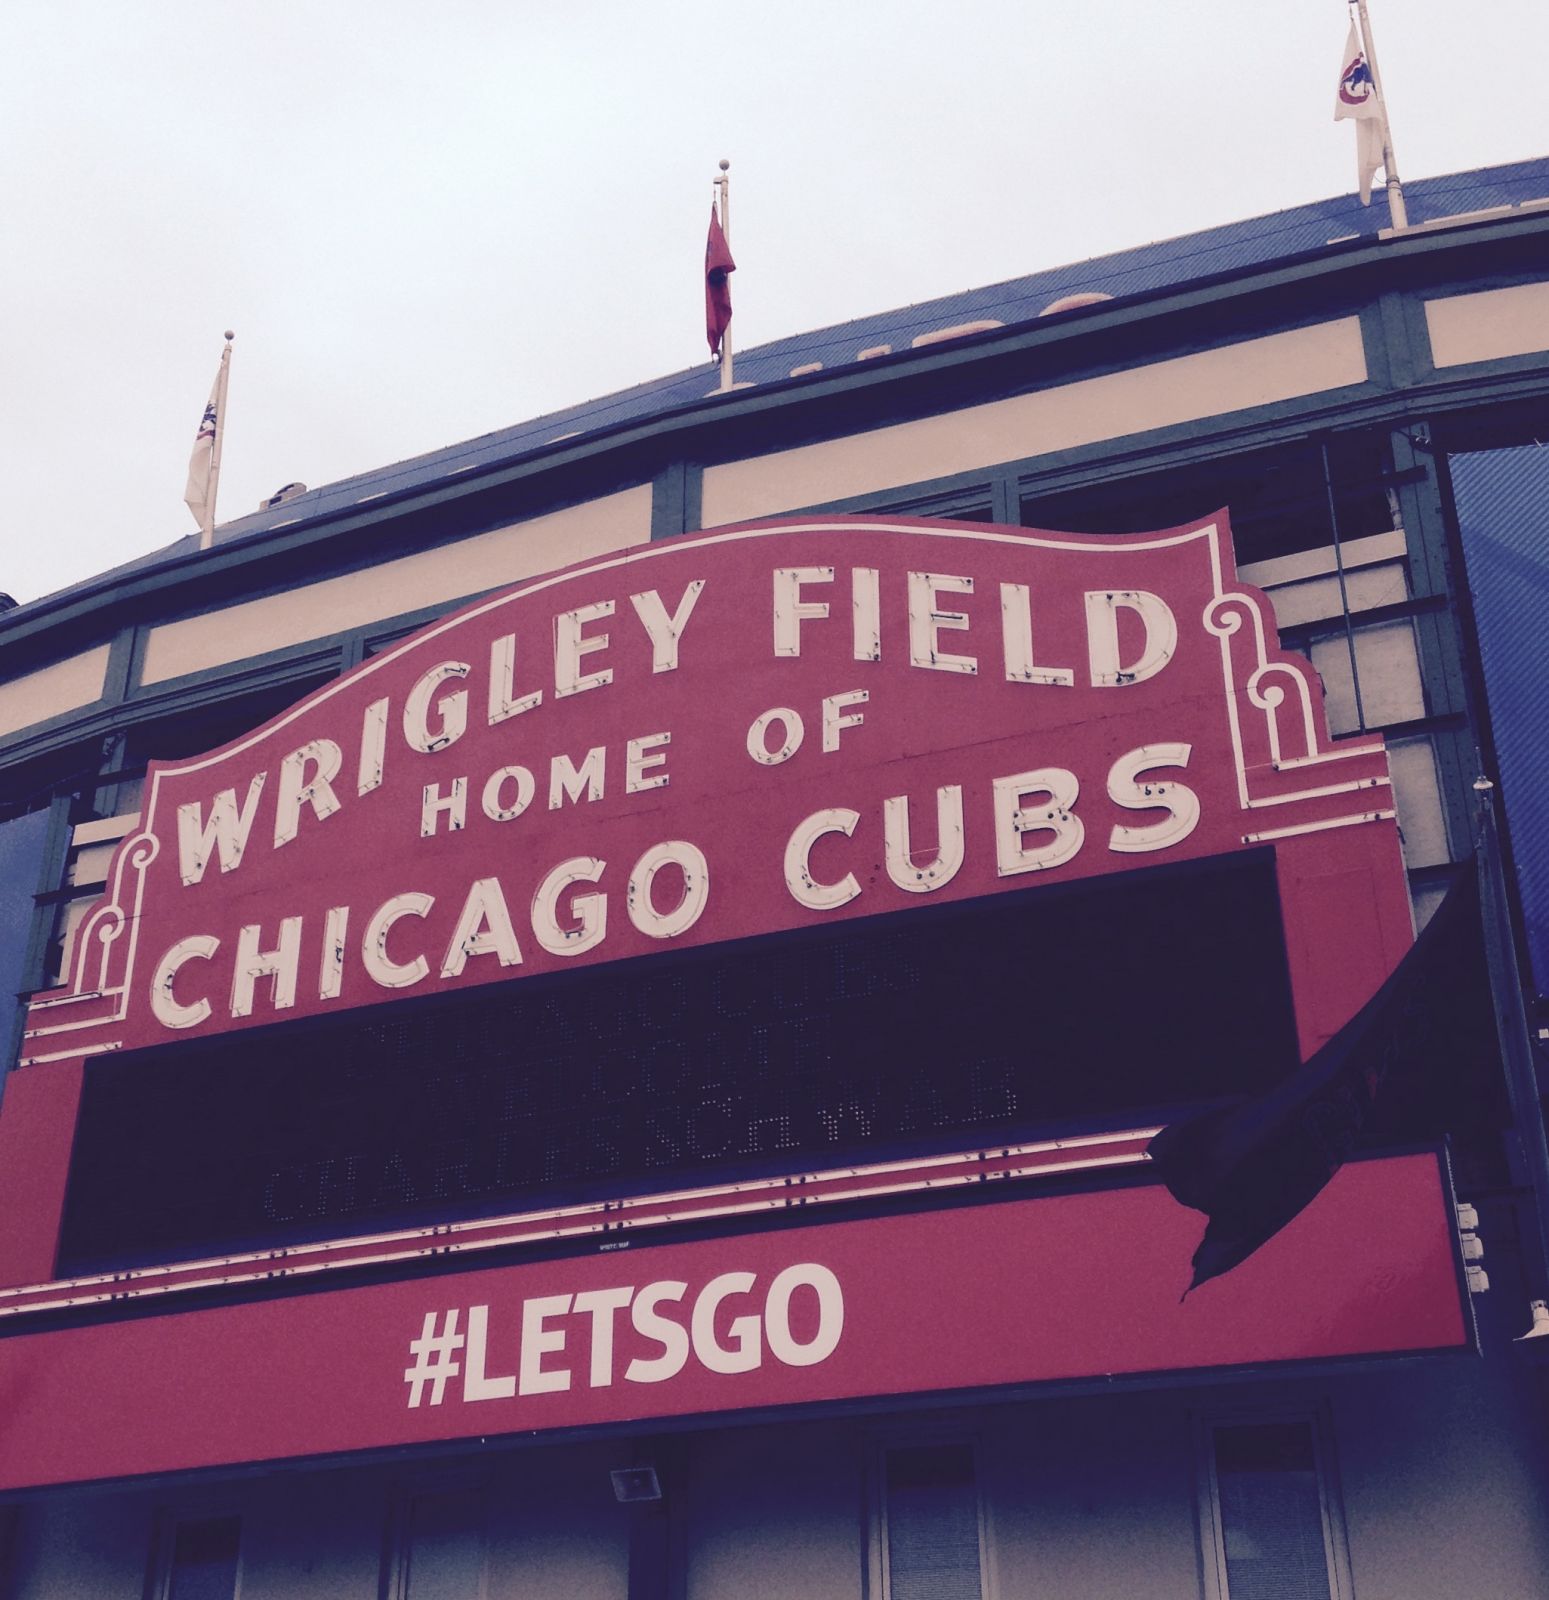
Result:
427,222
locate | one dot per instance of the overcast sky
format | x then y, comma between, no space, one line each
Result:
426,222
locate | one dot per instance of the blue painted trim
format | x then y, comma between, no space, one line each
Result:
123,662
668,512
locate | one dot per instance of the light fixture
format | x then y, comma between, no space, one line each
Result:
633,1484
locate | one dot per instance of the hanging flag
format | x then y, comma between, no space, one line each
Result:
718,268
1356,99
1254,1165
199,495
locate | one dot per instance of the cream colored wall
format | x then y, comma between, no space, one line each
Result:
309,1536
555,1528
775,1514
1442,1470
449,572
1091,1499
1488,325
88,1549
1231,378
1436,1469
76,681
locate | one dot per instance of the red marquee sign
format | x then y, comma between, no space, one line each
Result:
765,728
988,1297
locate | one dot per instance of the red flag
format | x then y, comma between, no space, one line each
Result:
718,264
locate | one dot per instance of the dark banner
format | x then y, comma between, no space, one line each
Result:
1503,513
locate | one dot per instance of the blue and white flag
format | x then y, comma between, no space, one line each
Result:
1357,100
199,495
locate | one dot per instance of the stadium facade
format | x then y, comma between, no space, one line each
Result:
593,1003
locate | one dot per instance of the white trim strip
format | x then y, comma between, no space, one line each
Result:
1335,752
67,1000
1317,794
67,1055
600,1217
1318,827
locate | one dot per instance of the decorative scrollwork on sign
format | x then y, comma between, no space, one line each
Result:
104,928
1286,733
1270,697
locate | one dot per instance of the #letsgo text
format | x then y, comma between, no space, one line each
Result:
641,1335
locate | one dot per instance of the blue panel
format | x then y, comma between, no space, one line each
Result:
22,844
1503,512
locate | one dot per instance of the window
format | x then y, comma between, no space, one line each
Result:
196,729
92,845
1278,497
929,1534
1270,1528
1372,678
198,1559
438,1548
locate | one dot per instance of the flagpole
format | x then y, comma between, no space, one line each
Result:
1397,212
207,526
723,183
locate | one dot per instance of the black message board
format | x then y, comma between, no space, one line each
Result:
934,1029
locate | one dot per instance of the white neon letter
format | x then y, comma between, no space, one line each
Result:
927,620
1102,635
225,832
665,631
373,945
1055,815
483,928
451,709
589,910
297,790
902,868
1179,801
696,889
805,889
168,1010
280,963
570,645
790,610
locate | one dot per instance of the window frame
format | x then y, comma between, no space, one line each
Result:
398,1532
878,1575
1208,1524
167,1524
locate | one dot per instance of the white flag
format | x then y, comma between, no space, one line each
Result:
1357,99
200,493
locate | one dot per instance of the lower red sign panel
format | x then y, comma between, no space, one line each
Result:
1023,1291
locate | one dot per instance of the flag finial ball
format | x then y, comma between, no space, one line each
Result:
725,164
230,334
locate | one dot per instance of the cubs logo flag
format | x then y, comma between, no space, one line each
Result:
199,493
718,268
1356,99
